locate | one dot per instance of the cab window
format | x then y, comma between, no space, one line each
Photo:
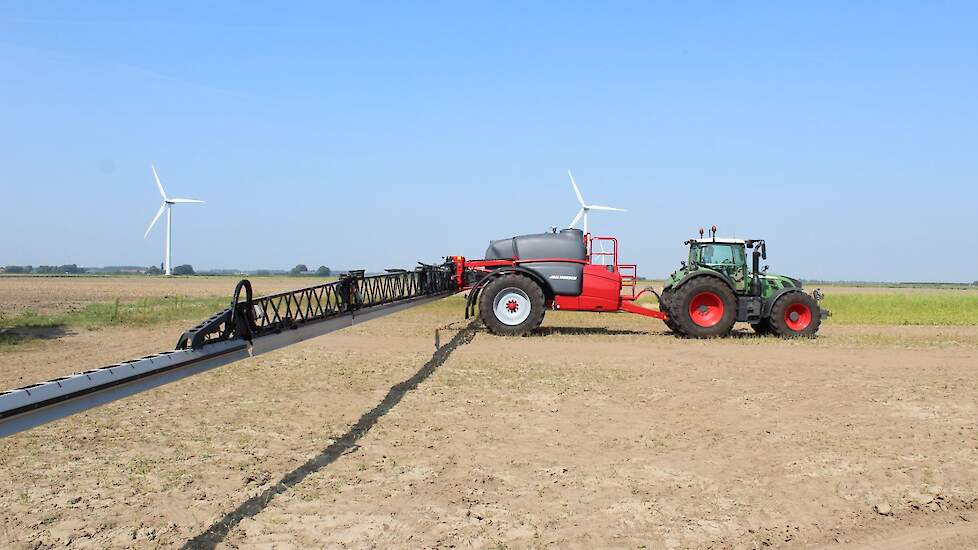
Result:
721,254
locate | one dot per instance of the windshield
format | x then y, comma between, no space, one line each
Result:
721,254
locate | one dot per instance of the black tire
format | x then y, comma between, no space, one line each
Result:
522,292
664,308
715,317
762,327
795,315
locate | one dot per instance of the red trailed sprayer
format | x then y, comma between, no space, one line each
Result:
522,277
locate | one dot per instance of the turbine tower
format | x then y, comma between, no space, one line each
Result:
168,207
585,208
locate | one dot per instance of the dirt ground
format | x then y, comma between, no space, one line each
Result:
600,431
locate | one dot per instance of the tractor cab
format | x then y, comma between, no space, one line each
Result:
728,259
726,256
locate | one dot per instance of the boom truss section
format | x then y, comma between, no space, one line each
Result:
248,327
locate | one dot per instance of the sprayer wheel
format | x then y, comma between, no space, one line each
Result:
512,305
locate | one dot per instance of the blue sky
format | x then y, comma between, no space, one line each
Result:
380,134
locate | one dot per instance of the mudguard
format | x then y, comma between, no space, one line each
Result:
470,303
769,303
706,273
533,273
556,278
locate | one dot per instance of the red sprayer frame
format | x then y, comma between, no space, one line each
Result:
602,285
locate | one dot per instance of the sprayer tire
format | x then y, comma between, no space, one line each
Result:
512,305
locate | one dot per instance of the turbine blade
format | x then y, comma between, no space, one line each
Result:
152,223
577,191
599,207
577,218
183,200
158,184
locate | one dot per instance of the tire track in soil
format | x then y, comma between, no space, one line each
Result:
217,532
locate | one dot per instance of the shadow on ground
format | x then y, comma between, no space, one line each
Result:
22,335
736,334
586,331
216,533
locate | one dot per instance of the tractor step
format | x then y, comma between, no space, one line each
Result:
749,309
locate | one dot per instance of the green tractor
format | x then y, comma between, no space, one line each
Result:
716,288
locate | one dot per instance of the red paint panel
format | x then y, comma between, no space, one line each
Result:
601,291
569,303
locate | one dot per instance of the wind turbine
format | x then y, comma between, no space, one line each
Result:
585,208
168,207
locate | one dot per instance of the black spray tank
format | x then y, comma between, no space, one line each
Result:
564,278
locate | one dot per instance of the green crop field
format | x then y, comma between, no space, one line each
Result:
944,308
143,312
28,326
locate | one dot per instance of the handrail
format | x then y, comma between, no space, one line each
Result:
613,254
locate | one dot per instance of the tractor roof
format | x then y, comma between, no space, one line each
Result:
718,240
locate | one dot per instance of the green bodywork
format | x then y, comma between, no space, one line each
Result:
730,261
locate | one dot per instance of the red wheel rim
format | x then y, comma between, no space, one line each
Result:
706,309
797,317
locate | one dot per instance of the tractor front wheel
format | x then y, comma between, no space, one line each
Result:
704,307
795,314
511,305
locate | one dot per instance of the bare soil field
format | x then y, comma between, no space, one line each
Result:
599,431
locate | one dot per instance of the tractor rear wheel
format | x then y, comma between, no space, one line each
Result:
795,314
511,305
703,308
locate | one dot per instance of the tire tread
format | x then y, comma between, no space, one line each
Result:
679,305
533,292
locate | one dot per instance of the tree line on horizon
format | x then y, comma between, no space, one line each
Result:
301,269
45,269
